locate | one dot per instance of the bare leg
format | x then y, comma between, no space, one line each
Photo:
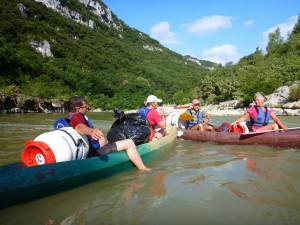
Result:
129,146
269,127
159,134
208,128
198,126
103,141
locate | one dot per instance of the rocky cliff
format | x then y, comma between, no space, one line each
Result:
102,12
24,104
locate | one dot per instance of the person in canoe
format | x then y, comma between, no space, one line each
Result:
155,118
80,122
201,118
259,116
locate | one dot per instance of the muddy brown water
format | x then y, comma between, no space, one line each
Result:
194,183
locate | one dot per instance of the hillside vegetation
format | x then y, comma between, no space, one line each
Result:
120,66
265,72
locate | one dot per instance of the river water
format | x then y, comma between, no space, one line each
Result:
194,183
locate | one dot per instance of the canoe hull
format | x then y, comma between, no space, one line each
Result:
289,139
20,183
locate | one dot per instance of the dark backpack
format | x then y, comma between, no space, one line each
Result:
225,127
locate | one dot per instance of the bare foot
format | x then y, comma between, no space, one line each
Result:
145,169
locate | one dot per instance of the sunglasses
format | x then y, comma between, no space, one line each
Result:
196,104
84,107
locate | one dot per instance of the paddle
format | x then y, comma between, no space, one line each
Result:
185,116
267,131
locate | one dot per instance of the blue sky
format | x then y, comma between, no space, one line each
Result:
216,30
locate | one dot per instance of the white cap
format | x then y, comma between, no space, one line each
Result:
153,98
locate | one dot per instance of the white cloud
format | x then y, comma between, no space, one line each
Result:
221,54
208,25
285,29
163,34
249,23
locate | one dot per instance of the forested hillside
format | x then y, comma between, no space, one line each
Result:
113,65
110,66
260,71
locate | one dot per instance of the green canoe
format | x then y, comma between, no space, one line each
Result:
19,183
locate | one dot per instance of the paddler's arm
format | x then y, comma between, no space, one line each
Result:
162,124
243,118
85,130
206,118
278,121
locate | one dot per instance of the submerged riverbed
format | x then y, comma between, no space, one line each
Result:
194,183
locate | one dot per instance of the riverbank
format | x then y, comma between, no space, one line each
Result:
216,110
279,101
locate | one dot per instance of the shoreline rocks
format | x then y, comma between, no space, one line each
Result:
217,110
24,104
278,101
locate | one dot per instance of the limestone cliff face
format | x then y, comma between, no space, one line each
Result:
42,47
97,7
103,13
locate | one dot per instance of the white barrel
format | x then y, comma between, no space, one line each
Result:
62,144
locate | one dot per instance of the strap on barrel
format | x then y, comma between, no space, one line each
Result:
79,141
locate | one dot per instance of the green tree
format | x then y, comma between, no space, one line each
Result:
275,43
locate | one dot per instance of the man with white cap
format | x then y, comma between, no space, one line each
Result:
201,118
155,118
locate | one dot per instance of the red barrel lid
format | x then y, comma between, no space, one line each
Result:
238,129
37,153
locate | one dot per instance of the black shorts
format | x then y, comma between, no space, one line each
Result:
108,148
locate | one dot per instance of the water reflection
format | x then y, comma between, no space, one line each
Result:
275,184
137,193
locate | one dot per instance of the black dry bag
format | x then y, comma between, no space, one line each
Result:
133,126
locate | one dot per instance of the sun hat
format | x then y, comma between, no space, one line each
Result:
153,98
195,102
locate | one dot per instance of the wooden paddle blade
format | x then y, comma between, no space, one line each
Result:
185,116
